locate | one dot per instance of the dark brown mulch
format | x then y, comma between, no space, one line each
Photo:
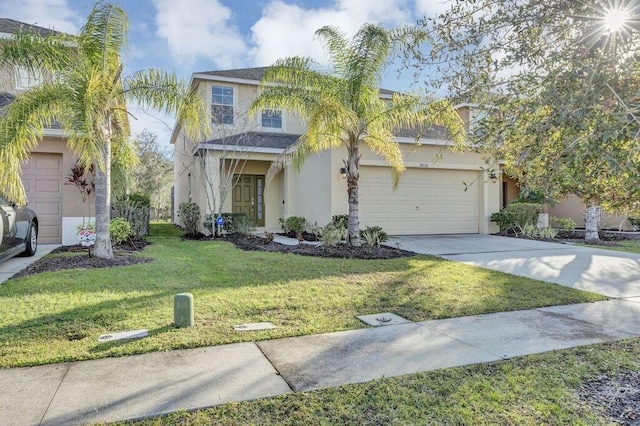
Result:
617,396
250,242
122,258
306,236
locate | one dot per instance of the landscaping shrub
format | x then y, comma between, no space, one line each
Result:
562,223
340,221
548,233
190,215
233,223
120,230
136,209
294,224
330,236
373,235
516,216
635,222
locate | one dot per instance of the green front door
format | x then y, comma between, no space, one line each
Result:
248,197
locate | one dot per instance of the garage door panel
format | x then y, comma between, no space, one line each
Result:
426,201
42,179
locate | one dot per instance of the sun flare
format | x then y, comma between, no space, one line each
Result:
615,19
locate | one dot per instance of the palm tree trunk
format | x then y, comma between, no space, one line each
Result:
591,222
353,176
103,247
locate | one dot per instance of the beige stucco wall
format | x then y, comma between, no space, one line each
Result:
244,95
573,207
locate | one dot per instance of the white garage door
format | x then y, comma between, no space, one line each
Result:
429,201
42,178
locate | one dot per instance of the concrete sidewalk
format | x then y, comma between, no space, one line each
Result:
144,385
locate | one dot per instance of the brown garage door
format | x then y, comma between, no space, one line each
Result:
42,178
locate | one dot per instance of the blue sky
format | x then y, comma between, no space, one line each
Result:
185,36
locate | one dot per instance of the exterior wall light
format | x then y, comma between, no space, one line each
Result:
493,176
343,172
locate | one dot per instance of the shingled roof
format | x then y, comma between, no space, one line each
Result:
255,74
255,140
10,26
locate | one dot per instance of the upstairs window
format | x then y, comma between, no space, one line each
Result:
26,79
272,118
222,104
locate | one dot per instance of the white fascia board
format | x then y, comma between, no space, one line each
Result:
424,141
57,133
236,148
224,79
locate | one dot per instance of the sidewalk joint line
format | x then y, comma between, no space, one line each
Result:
274,367
54,394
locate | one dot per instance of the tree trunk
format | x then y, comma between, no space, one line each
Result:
102,247
591,223
353,176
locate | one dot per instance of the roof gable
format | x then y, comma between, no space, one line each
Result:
10,26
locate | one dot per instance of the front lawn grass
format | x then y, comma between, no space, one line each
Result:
629,246
58,316
529,390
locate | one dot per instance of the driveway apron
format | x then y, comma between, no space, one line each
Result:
610,273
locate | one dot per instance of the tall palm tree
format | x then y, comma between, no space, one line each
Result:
344,108
87,96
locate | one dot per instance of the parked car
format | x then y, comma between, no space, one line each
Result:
19,230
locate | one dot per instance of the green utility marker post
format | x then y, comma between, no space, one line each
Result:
183,310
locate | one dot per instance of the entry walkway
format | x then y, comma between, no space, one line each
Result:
144,385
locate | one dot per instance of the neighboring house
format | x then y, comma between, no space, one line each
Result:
441,192
59,207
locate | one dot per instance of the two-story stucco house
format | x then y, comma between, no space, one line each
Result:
442,191
58,206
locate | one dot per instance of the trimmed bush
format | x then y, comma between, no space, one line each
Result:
120,230
189,213
516,216
294,224
562,223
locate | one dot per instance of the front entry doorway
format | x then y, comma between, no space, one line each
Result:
248,197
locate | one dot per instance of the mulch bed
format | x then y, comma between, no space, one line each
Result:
618,396
251,242
122,257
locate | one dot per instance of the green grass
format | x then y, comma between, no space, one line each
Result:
530,390
629,246
58,316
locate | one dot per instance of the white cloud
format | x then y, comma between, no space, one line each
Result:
55,14
199,28
431,7
156,122
288,30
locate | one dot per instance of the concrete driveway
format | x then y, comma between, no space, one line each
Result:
611,273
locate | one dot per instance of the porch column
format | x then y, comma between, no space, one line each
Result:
288,208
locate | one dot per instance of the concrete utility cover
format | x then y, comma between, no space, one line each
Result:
123,335
253,326
386,318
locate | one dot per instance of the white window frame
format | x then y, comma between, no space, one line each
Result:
25,79
232,105
273,129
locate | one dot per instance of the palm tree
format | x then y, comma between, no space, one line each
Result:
87,96
344,108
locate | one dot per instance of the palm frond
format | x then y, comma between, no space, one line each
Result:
21,128
102,37
35,52
164,91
